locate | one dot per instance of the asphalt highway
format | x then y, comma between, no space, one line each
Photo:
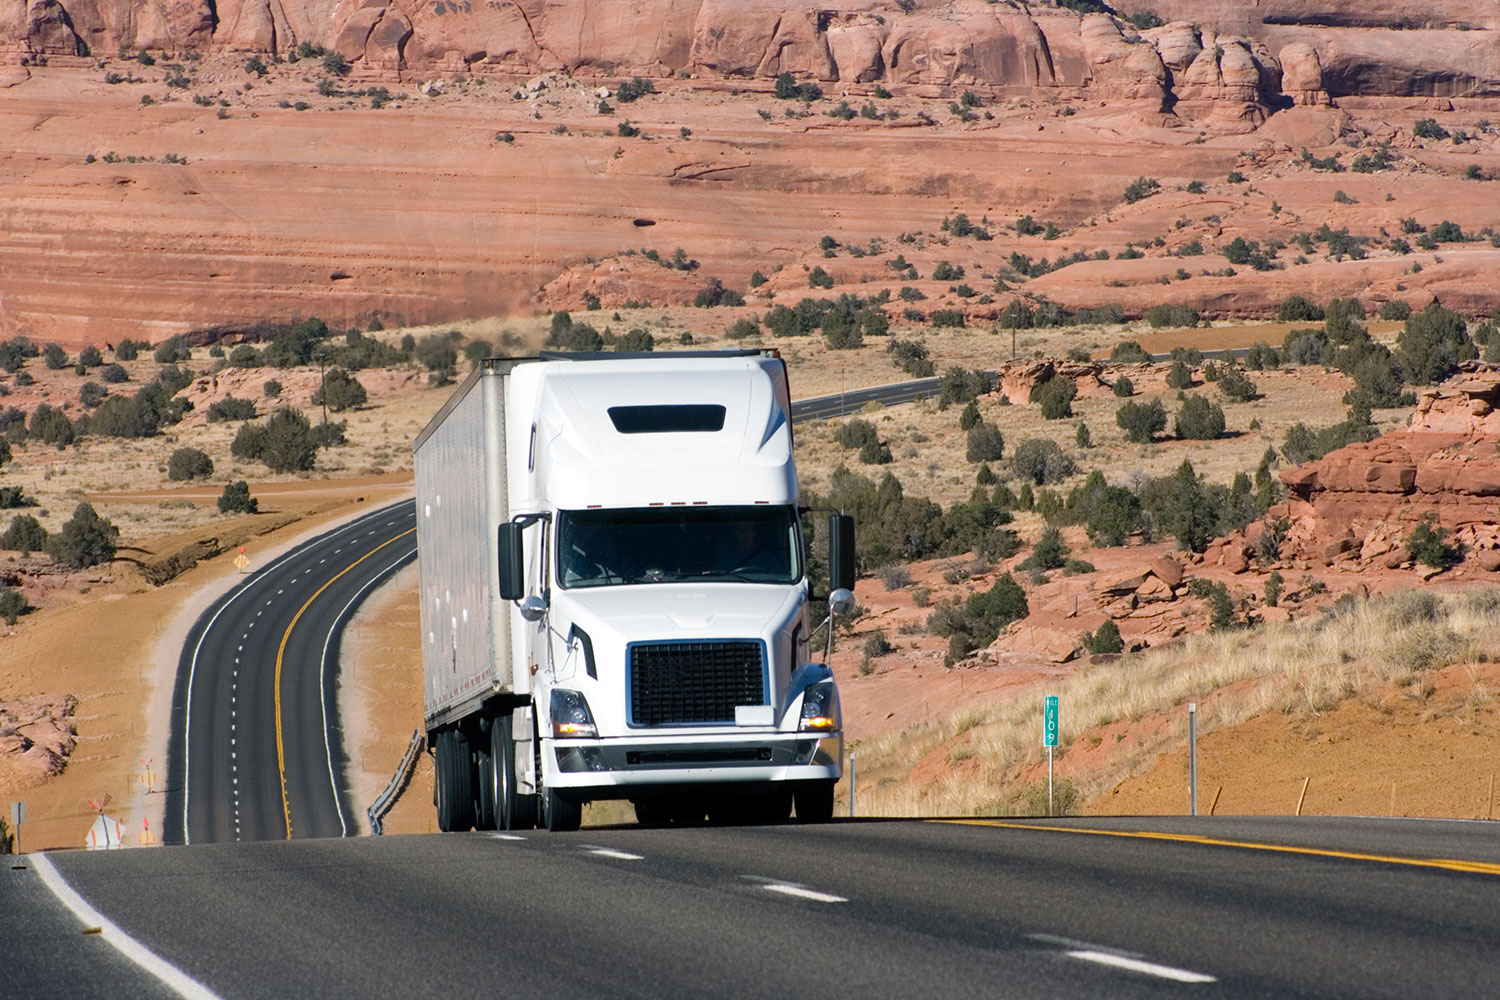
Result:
255,751
1275,908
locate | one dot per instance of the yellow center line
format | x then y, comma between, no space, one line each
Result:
1448,864
286,806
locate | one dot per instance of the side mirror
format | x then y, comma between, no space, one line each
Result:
534,608
841,601
512,562
840,552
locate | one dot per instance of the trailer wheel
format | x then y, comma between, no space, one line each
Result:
513,811
455,782
559,814
814,801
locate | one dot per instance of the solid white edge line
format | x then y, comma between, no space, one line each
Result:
333,628
1137,965
801,893
173,978
187,720
609,852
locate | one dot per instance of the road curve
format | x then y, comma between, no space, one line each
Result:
255,750
1274,908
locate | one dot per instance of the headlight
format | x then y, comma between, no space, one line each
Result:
570,715
820,708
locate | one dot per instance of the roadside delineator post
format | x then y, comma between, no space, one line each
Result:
1192,758
1302,796
851,786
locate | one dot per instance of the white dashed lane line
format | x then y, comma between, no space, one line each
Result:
609,852
1141,966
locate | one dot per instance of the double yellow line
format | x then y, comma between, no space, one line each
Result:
286,806
1448,864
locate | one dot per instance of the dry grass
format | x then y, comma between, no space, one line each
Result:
1304,669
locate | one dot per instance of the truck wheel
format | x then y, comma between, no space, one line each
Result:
513,811
487,784
652,812
455,782
814,801
560,815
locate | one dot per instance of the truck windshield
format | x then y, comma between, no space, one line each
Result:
601,548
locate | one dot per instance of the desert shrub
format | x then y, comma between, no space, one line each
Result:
114,374
1428,544
51,426
1055,396
1377,385
244,356
1305,347
236,499
1182,506
173,350
91,394
284,442
638,340
437,354
230,408
1273,589
1395,309
189,463
271,389
970,416
977,622
477,350
875,453
340,391
1167,315
985,443
25,535
1262,357
1141,421
1113,515
1128,352
1082,437
1236,386
1017,315
959,385
742,328
1123,387
1141,188
13,604
1199,420
947,318
1220,604
1041,461
856,433
129,350
1049,552
330,434
1434,341
634,89
895,576
1106,640
1295,309
86,539
54,357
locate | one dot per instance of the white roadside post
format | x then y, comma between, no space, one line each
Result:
1192,758
1049,738
851,786
17,817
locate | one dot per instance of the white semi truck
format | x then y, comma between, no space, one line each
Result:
615,599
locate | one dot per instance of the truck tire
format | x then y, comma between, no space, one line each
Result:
513,811
814,801
560,815
455,782
486,783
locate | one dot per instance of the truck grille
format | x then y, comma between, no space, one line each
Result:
683,683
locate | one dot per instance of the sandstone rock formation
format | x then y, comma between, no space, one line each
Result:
37,735
1221,64
1357,506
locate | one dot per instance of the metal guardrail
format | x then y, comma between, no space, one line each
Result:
386,799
